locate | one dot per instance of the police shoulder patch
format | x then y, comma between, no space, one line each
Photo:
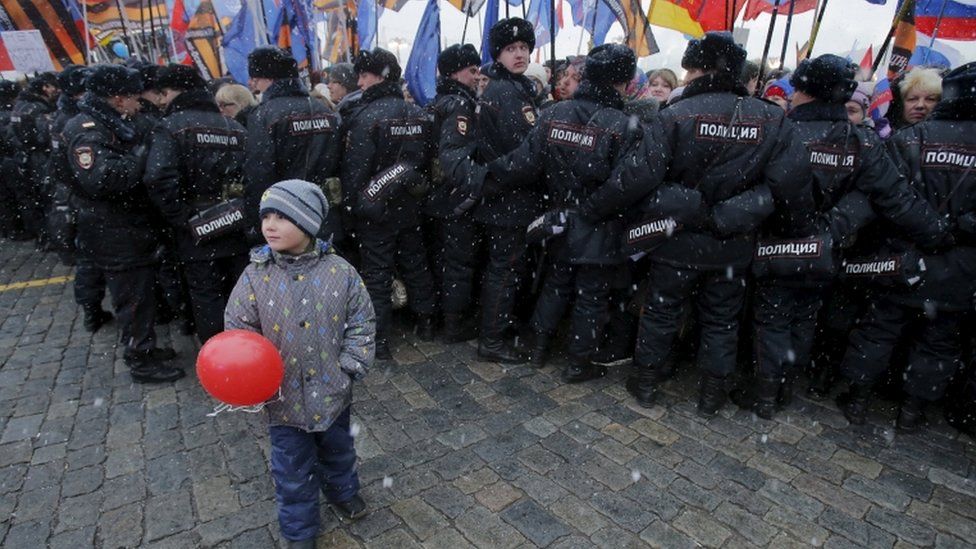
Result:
462,125
528,111
84,157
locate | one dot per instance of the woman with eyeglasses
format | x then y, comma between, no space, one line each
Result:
235,101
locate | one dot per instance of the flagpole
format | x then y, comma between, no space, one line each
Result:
125,28
552,31
152,28
467,17
786,36
891,33
816,28
376,23
84,17
769,40
935,32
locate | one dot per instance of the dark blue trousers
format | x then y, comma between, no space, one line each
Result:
302,463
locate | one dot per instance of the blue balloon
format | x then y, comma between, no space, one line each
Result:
120,50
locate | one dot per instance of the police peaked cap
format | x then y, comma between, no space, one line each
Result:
72,79
610,64
8,90
379,62
960,83
457,57
110,80
715,51
180,77
510,31
271,62
828,77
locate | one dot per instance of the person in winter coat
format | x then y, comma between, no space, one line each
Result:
572,151
11,220
699,171
106,160
829,181
506,114
195,162
235,101
383,175
316,311
31,118
938,156
289,135
453,112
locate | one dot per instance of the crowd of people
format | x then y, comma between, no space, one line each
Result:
772,227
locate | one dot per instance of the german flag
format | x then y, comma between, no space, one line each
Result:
64,40
203,40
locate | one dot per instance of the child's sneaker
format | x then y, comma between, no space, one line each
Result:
352,509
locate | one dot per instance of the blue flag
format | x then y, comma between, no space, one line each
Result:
538,15
366,18
491,17
421,71
239,40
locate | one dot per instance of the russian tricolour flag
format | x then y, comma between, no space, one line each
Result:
958,18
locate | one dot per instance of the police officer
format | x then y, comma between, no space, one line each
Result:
289,135
383,179
828,182
344,87
506,113
11,222
151,101
938,156
32,115
453,128
196,156
573,149
106,163
702,162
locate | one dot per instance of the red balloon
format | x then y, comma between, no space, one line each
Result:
240,368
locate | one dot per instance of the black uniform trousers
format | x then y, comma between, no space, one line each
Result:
134,302
383,249
11,222
719,296
463,240
785,322
209,283
934,353
89,279
587,288
507,264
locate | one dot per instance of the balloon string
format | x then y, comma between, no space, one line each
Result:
253,409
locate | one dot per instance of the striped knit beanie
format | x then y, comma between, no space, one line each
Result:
299,201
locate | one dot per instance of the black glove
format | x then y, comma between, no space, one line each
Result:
471,193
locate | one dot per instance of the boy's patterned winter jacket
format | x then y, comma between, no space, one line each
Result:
315,309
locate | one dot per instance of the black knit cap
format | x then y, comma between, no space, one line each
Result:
715,51
8,90
72,79
180,77
960,83
828,77
109,80
379,62
610,64
509,31
457,57
271,62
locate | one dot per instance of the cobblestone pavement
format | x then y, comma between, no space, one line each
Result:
453,453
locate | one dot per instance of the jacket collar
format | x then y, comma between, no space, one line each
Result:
819,110
265,255
97,108
497,71
450,86
386,88
31,97
602,95
286,87
720,82
197,100
963,108
67,104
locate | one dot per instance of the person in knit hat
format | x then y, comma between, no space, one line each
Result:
859,104
313,306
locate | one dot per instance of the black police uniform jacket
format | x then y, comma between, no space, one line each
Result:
830,180
289,136
938,156
386,157
56,169
700,163
31,122
571,153
506,114
195,155
453,134
105,161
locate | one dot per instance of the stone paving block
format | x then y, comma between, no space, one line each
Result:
214,497
623,511
27,534
463,436
620,433
789,497
917,488
497,496
608,473
568,449
535,523
660,535
36,504
22,428
961,503
702,528
797,526
448,500
447,538
474,481
856,530
694,495
74,539
16,452
954,482
229,527
832,495
943,519
745,523
421,518
540,488
336,539
905,527
486,529
373,524
82,481
877,493
120,527
393,538
78,512
168,514
855,463
579,514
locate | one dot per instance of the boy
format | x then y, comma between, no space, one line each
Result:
315,309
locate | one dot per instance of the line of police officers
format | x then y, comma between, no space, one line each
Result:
719,189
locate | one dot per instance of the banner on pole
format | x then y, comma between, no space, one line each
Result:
27,51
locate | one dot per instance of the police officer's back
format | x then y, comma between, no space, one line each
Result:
31,119
11,221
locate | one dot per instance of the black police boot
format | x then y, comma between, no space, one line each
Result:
820,383
711,396
581,369
911,416
785,395
767,395
613,354
95,318
352,509
539,352
643,385
498,350
457,328
426,327
855,402
383,350
160,354
145,369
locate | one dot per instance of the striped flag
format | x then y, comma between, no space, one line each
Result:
637,30
202,41
57,26
904,46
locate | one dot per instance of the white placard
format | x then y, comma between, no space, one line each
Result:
27,51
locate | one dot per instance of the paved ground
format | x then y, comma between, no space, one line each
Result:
454,453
